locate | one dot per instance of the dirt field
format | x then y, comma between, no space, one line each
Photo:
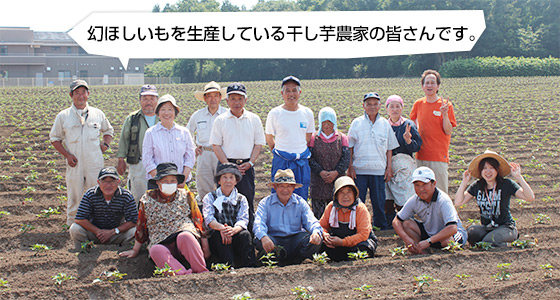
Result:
517,117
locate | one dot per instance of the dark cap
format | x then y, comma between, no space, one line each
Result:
227,168
166,169
78,83
148,89
372,95
237,88
292,79
108,172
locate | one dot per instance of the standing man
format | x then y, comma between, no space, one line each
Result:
285,223
288,130
102,211
237,137
372,140
200,125
132,137
439,223
435,119
80,126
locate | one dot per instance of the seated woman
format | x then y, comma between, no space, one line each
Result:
169,219
347,223
493,193
227,212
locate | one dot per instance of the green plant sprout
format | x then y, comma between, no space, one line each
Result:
65,227
542,219
547,270
111,276
28,189
268,260
462,278
4,213
399,251
524,243
473,221
423,281
4,283
45,213
39,248
26,227
27,200
483,245
85,246
221,268
522,202
360,255
303,292
244,296
364,290
548,199
165,271
503,272
320,258
62,277
453,247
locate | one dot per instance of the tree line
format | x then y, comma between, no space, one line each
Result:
528,28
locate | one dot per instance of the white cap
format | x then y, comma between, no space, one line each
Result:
423,174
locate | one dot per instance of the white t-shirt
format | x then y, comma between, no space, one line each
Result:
289,128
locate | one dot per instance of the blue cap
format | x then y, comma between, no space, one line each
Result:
372,95
237,88
292,79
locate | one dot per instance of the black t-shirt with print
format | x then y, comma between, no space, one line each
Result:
497,209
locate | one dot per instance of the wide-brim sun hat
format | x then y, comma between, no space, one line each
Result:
167,98
166,169
284,176
227,168
210,87
342,182
504,169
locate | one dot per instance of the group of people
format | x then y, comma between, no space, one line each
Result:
335,170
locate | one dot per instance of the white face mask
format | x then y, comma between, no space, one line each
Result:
168,188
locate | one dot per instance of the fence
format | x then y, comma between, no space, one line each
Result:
93,81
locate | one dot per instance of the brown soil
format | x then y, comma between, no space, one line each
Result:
25,147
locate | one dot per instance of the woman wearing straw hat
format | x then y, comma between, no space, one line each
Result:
347,223
493,193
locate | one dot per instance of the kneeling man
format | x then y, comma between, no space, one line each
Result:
439,223
101,211
284,222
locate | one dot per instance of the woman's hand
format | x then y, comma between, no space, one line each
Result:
129,253
515,170
467,176
227,233
407,135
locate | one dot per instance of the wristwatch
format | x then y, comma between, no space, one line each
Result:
117,231
251,163
429,241
107,145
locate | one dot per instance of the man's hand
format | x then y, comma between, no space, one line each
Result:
422,245
351,173
104,235
244,167
268,244
121,166
198,150
388,173
315,238
71,160
412,247
103,148
444,106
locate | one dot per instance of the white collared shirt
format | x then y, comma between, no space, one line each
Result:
237,136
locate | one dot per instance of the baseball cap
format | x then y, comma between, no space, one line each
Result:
291,78
148,89
78,83
372,95
237,88
108,172
423,174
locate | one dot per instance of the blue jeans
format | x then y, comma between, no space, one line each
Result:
376,185
293,249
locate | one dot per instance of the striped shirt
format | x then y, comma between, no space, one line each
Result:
94,208
168,145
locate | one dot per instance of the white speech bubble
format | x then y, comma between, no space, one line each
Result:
317,34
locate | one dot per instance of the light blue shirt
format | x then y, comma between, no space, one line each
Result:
276,219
